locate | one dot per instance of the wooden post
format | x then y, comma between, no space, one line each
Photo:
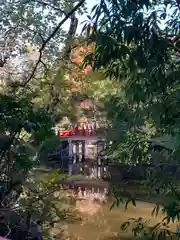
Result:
97,160
77,151
83,150
70,158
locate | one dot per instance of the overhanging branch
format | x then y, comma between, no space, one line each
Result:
46,41
44,3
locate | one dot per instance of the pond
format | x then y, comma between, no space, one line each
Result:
105,223
97,221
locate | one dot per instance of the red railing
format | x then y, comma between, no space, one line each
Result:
85,129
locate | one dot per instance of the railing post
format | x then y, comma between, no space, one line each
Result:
83,150
70,158
77,151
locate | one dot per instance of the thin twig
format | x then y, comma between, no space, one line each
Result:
44,44
9,231
51,6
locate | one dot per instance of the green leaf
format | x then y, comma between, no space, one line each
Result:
126,204
113,205
133,202
125,225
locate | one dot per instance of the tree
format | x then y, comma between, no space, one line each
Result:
18,116
133,48
137,45
33,21
32,74
141,54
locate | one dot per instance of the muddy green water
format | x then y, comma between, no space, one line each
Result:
105,224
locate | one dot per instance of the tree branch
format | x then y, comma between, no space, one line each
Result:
71,33
46,41
51,6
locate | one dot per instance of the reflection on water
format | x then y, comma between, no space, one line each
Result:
89,202
99,223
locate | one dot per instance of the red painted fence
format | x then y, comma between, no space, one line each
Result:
85,130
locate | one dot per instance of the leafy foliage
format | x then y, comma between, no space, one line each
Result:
137,46
34,98
19,116
32,22
141,230
140,52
